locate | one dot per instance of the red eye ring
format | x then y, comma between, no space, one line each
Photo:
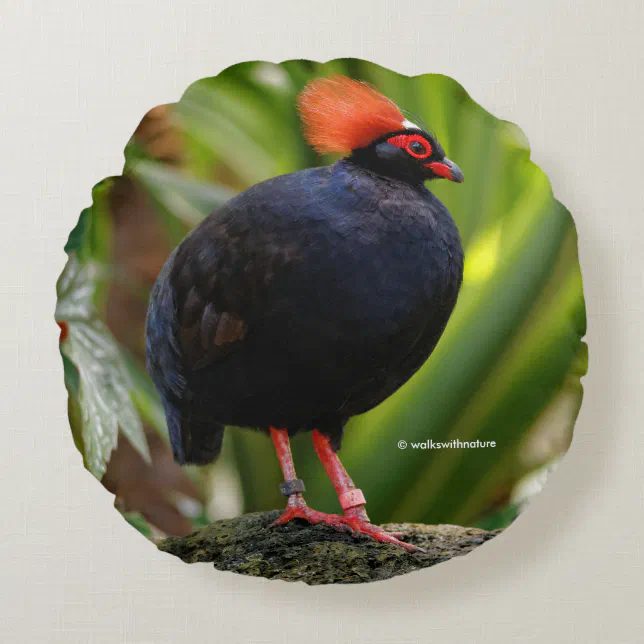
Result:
404,141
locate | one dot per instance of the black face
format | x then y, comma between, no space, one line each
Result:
410,155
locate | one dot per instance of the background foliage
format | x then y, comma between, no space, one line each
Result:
507,369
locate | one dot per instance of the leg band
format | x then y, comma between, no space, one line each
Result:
294,486
352,498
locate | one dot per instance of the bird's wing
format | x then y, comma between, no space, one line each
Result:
224,276
230,273
207,332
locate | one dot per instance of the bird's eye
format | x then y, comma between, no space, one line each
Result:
417,148
414,144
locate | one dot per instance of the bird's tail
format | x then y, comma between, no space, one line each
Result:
194,440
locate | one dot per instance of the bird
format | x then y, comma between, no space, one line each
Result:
310,297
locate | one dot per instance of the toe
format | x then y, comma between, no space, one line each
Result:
378,534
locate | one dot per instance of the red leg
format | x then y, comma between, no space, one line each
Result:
351,499
296,507
283,449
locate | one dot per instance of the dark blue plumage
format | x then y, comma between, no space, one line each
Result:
305,300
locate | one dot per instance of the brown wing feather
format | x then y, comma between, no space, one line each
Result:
209,336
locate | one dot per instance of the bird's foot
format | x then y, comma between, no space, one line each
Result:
357,525
312,516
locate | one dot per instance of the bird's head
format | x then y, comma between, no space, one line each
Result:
347,116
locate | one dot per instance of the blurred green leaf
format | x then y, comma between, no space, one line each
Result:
499,519
145,396
103,394
182,202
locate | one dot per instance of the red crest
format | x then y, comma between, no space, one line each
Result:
340,114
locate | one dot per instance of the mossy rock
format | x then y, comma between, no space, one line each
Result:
318,554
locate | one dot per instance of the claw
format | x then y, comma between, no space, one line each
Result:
362,526
312,516
355,525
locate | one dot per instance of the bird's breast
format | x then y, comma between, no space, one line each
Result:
367,285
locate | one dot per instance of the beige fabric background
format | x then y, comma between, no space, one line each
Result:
75,80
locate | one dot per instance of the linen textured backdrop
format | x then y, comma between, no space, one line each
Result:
77,79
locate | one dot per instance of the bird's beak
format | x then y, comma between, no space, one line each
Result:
447,170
